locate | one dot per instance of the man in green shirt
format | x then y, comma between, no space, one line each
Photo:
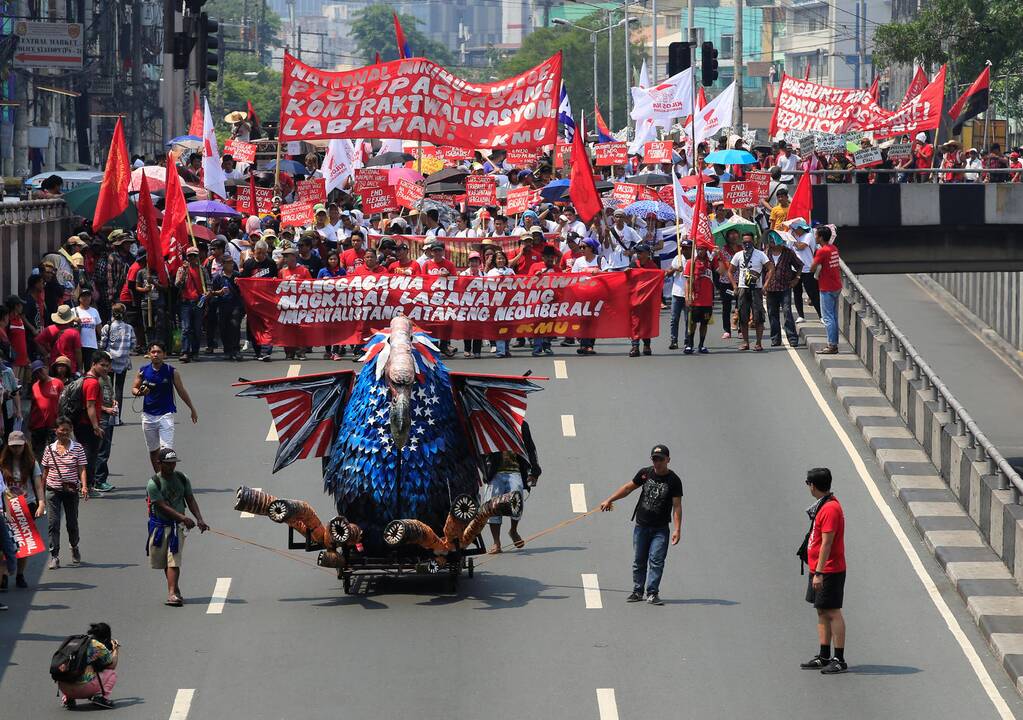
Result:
169,492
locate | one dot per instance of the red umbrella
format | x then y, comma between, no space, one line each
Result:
202,232
691,181
155,175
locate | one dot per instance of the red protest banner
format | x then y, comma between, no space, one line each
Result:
612,153
343,310
520,157
369,178
23,527
416,99
240,150
763,181
313,190
625,193
264,200
378,199
297,213
518,200
741,194
481,190
408,194
561,151
455,154
657,151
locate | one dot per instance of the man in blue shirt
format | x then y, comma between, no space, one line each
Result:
156,383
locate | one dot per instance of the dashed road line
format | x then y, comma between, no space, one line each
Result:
591,592
578,492
568,425
248,514
271,435
560,369
219,597
183,703
606,704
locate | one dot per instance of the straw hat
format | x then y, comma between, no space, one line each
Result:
63,360
236,117
64,315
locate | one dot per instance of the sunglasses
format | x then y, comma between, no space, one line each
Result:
657,458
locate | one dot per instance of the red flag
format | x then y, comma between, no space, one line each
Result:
701,99
399,36
148,233
917,85
113,193
801,204
875,90
376,60
195,127
581,187
700,232
806,75
174,233
972,102
253,207
255,129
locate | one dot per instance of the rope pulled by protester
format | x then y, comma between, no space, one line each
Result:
563,524
276,551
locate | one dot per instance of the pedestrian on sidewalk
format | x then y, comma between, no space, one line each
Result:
825,555
168,493
660,502
156,383
829,279
118,339
64,475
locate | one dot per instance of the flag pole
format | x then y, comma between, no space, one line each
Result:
188,223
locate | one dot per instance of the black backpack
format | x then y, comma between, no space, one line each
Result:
71,658
72,399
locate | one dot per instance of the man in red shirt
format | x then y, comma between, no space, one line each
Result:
825,554
353,256
292,270
370,265
404,265
923,157
530,254
62,338
438,264
699,298
548,263
88,430
830,283
42,419
191,280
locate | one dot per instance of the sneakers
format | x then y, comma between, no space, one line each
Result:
103,487
76,557
688,350
54,563
703,350
647,350
634,597
19,581
726,335
2,607
634,352
567,342
835,667
673,345
68,703
654,599
815,663
263,358
799,319
103,702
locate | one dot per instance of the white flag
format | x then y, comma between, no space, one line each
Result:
339,163
715,115
391,145
646,131
644,78
683,210
213,175
666,101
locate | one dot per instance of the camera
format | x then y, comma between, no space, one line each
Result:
146,386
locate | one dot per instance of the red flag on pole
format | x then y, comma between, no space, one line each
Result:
376,60
399,36
801,204
701,99
174,232
195,127
972,102
806,75
875,90
255,130
917,85
148,233
700,232
581,188
113,193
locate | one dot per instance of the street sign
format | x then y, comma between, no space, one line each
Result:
48,45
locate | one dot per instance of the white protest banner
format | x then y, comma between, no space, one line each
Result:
867,157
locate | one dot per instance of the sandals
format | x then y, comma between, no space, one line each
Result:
174,601
744,347
517,540
758,348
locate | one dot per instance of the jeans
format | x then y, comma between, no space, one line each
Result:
57,501
650,545
778,302
103,453
119,391
90,443
541,344
678,312
473,346
809,283
8,546
212,323
191,322
230,327
829,314
502,347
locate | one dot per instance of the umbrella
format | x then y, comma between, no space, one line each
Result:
81,201
553,191
712,194
650,179
293,167
642,208
448,175
188,192
442,188
396,175
156,178
389,158
201,232
691,181
601,185
735,223
730,157
211,208
188,141
447,214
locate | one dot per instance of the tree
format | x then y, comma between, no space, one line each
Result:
256,18
577,64
373,30
245,78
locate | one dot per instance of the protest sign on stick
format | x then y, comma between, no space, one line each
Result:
612,153
480,190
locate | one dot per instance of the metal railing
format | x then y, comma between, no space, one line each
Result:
32,211
986,452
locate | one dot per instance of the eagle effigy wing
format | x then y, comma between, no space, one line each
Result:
306,411
494,407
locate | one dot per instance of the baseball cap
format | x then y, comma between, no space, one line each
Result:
37,365
642,247
17,437
921,137
474,255
660,450
167,455
193,250
593,244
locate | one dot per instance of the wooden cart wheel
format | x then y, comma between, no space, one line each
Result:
464,508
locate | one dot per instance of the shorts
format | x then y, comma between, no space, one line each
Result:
699,314
831,595
159,431
503,482
750,300
160,556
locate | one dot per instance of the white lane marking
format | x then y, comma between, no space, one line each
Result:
182,704
578,491
606,704
271,434
907,547
591,592
560,369
219,596
248,514
568,425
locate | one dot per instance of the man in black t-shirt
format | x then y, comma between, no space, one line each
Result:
660,502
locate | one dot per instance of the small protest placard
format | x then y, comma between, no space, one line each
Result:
296,214
241,151
867,157
408,193
480,190
744,194
613,153
657,151
313,190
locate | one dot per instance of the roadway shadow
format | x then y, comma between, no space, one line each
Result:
700,601
883,669
84,706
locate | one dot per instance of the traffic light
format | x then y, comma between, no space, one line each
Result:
194,6
680,57
183,43
207,56
709,62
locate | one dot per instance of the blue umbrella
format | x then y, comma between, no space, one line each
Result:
292,167
553,191
642,208
713,194
211,208
730,157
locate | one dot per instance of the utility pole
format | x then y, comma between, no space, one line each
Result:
691,23
628,63
222,71
863,43
737,64
610,73
298,46
653,78
135,122
859,48
82,101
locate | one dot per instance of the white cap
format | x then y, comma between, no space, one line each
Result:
921,137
